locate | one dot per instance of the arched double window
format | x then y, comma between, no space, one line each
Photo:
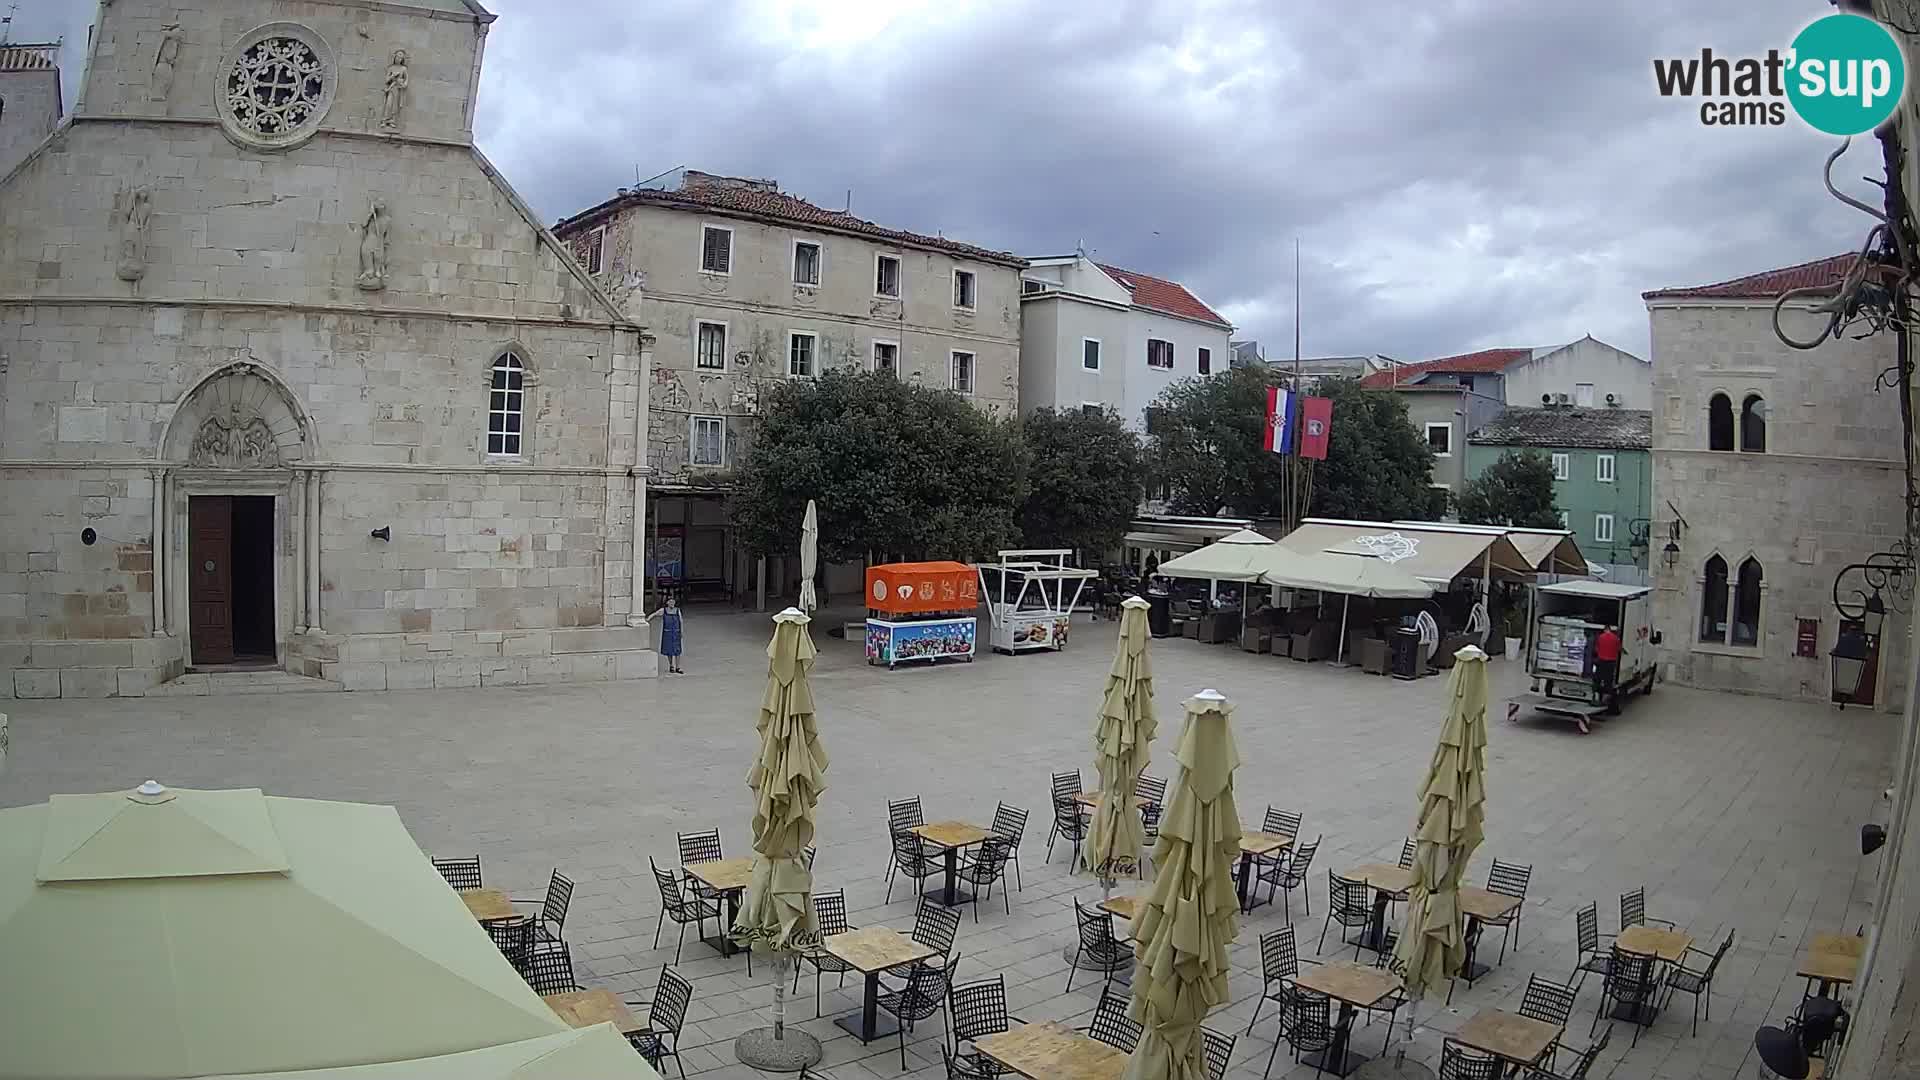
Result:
1753,424
1749,429
1730,603
506,405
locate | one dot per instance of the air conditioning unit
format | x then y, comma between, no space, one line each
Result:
1613,399
1546,399
1562,399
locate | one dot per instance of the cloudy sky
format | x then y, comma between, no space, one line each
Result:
1460,174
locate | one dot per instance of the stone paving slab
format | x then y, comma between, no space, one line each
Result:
1733,812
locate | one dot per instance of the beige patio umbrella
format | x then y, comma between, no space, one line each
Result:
595,1053
1452,810
1191,912
786,780
175,933
1120,746
809,556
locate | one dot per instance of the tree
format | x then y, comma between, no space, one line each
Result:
896,470
1207,444
1515,490
1084,481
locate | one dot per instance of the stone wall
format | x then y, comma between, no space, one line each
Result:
32,110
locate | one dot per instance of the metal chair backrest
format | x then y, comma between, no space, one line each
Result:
1151,789
1407,849
904,815
1066,785
1010,822
1547,1000
978,1008
669,1009
1112,1025
1509,879
934,926
515,938
807,856
699,847
559,899
1309,1018
1302,860
830,912
1279,956
1629,976
1096,927
1351,901
1219,1049
990,861
1284,822
549,970
926,989
1457,1062
460,873
1718,953
1633,908
1587,926
670,897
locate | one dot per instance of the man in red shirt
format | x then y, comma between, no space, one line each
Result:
1606,668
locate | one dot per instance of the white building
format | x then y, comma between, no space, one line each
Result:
1096,336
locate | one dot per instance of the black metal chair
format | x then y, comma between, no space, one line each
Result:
1459,1062
1112,1025
700,847
1696,981
1065,784
1284,822
829,918
934,926
462,874
975,1010
1070,823
1588,959
1547,1001
1408,849
681,908
1291,873
549,969
1508,879
666,1015
1349,903
910,855
1582,1061
552,918
1306,1026
1633,910
1629,983
515,937
807,857
1097,944
920,997
1279,966
1011,822
1152,792
985,869
1219,1050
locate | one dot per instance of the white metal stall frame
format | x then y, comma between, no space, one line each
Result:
1031,576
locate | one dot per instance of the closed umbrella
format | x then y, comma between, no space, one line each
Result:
809,556
1120,745
786,781
1190,915
1452,812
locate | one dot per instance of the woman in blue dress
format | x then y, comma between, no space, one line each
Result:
670,624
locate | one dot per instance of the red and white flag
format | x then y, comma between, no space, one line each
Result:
1279,428
1316,426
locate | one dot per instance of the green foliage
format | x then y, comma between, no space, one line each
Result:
1515,490
896,470
1207,448
1084,480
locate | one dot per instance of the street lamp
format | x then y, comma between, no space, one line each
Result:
1849,663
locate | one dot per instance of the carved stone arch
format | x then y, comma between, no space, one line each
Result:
240,416
519,349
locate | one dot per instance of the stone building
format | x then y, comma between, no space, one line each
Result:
29,99
1773,469
291,377
746,285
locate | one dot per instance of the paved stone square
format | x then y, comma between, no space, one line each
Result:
1734,812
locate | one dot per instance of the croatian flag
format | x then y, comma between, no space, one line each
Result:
1279,434
1316,426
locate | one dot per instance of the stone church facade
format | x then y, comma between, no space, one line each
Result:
290,377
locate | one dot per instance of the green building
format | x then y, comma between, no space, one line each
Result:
1603,475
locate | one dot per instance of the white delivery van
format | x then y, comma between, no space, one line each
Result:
1567,619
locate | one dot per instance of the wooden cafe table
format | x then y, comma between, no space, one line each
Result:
870,952
1254,843
1478,904
1521,1040
1355,988
954,836
1832,960
1052,1051
585,1008
1666,946
729,878
1386,881
488,905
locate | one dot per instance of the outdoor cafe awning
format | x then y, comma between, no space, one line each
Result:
1436,554
1242,555
1548,551
1352,575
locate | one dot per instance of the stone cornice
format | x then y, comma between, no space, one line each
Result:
315,309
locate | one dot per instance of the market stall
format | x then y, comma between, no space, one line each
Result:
1031,593
920,611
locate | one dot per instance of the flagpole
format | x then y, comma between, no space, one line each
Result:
1296,508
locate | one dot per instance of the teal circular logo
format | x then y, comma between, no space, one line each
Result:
1846,74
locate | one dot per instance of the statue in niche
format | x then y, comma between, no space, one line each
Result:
373,248
164,62
130,213
223,443
395,98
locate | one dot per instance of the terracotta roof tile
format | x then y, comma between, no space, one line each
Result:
1762,286
1583,429
780,207
1159,294
1473,363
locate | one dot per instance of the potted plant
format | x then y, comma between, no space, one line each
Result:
1514,626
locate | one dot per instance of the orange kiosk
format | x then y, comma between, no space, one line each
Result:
920,611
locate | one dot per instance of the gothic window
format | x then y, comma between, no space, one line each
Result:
1746,604
1753,424
1719,423
506,406
1713,601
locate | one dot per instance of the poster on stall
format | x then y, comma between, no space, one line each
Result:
897,643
